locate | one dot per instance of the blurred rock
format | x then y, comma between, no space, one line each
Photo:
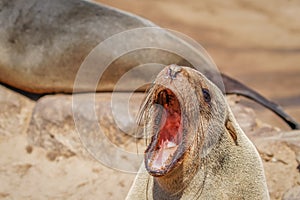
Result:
15,112
53,127
245,116
292,194
280,160
292,139
48,159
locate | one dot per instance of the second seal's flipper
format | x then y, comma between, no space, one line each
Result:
233,86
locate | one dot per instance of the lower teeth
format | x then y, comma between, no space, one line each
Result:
171,144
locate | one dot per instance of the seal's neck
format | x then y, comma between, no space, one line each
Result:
173,184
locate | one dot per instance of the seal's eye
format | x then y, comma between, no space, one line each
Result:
206,95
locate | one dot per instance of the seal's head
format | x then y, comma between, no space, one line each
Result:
183,114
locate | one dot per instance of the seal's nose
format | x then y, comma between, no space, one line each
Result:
173,71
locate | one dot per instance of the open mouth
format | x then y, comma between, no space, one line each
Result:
165,148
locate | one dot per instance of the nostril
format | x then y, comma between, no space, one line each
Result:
173,71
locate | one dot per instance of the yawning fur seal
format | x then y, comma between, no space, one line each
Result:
197,149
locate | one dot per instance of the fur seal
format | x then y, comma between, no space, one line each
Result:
197,149
43,43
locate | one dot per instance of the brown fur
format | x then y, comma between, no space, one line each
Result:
220,163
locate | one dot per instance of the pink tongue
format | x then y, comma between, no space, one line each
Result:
170,128
168,139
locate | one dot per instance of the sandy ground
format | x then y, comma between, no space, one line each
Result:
257,42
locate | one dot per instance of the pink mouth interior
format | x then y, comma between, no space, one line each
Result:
170,134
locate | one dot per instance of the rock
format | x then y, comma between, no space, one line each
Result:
48,160
245,116
94,128
280,160
292,194
15,112
292,138
52,127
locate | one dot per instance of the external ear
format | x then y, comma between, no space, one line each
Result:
231,129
